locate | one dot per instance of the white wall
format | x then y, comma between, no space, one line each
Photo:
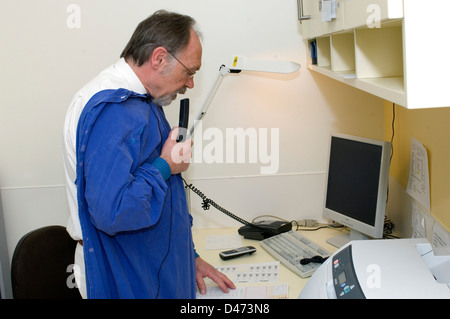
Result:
44,62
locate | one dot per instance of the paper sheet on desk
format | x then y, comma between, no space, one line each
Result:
251,273
279,291
223,242
419,179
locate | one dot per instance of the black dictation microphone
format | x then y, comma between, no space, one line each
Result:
184,120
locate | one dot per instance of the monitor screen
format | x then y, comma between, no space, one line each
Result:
357,181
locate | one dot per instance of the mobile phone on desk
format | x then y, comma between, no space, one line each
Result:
234,253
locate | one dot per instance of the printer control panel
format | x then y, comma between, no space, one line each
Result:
345,280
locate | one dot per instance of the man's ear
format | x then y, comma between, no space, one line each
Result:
158,58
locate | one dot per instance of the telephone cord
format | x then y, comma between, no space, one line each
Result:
208,202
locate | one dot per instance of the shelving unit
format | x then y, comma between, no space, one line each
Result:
368,59
403,60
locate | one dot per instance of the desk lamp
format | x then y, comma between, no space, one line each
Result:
242,63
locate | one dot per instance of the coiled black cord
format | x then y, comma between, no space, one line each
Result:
208,202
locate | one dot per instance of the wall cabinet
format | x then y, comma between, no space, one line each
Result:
395,49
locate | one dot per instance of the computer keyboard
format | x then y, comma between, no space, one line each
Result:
291,247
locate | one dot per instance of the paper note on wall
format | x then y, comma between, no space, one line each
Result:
328,8
418,221
440,240
419,179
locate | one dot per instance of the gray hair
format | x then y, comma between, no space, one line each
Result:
162,29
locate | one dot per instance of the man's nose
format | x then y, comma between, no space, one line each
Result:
190,83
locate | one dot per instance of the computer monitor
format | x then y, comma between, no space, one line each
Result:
356,189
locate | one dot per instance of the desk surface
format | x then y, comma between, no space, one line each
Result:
296,283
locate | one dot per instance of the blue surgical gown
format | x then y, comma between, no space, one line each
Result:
136,226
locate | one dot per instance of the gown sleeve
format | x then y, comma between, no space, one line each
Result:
124,191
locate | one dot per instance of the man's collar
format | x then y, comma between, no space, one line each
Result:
131,77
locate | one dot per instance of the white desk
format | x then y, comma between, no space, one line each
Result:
296,283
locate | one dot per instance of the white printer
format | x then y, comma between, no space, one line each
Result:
381,269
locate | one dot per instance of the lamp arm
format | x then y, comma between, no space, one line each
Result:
223,70
242,63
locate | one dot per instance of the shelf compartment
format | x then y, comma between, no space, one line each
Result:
379,52
343,52
323,52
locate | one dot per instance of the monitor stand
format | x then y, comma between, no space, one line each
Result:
341,240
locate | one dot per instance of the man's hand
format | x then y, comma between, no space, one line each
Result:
177,155
203,269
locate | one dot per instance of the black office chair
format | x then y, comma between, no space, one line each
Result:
39,268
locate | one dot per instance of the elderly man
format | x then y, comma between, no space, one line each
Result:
126,196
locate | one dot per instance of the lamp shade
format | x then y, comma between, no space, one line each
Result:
241,62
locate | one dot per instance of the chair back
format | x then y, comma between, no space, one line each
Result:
42,265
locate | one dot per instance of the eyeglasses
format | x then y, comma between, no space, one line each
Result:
190,73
